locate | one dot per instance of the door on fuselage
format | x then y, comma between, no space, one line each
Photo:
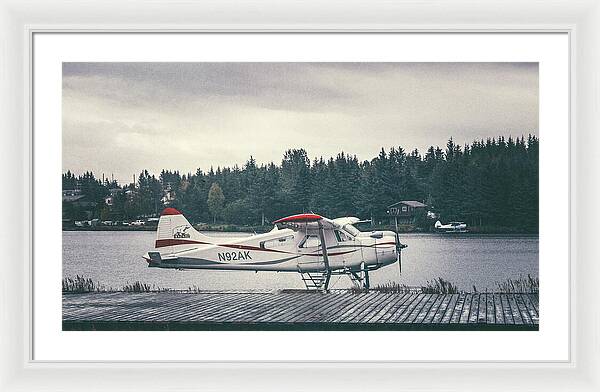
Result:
312,252
350,255
310,249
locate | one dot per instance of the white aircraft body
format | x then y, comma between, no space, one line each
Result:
294,245
452,227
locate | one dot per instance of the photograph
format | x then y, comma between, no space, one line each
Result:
284,196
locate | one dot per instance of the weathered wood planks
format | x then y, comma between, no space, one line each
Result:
311,310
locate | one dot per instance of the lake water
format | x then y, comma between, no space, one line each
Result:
115,258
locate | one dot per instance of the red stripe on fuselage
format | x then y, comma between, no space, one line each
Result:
328,254
384,243
176,241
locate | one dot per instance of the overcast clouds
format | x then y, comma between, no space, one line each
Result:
124,117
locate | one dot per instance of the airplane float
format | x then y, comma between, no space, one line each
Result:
309,244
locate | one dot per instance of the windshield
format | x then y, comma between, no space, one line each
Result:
353,231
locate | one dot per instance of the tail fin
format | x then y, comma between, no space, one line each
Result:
438,224
176,233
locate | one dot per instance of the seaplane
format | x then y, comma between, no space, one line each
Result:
309,244
452,227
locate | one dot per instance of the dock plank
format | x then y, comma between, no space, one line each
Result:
466,309
514,309
357,307
420,311
383,302
318,301
431,313
523,309
483,308
395,306
474,308
449,311
403,316
535,317
490,310
499,310
458,309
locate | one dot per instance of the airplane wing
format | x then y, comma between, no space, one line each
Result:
304,221
341,222
300,218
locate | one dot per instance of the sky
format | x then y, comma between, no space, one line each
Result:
121,118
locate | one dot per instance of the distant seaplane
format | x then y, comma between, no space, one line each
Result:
309,244
452,227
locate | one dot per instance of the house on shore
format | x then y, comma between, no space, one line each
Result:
75,204
406,211
109,200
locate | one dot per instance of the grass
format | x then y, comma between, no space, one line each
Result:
389,287
521,285
440,286
137,287
393,287
437,286
80,284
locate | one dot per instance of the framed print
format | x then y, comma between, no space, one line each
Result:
269,199
346,238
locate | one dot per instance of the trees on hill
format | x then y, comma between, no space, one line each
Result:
492,183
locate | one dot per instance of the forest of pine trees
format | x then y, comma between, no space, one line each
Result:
491,183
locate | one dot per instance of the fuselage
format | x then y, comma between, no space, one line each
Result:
282,249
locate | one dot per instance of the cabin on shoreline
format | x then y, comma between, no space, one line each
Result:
406,211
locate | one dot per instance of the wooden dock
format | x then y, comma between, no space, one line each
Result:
299,310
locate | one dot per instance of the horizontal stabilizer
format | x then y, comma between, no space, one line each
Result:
154,256
153,259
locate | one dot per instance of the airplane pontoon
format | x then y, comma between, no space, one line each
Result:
309,244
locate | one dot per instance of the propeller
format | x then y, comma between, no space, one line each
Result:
399,246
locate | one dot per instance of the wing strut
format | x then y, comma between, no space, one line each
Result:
325,255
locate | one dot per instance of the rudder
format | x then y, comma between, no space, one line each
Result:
174,230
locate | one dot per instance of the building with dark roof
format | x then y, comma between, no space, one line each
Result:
406,210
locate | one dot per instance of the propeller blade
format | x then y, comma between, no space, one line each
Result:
400,262
399,246
399,250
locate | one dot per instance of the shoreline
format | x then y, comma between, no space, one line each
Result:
265,229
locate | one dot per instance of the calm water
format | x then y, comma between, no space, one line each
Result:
115,258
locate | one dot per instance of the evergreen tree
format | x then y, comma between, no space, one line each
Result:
215,201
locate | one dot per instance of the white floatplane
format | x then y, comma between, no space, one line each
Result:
452,227
294,245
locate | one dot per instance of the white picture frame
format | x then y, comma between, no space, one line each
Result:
20,21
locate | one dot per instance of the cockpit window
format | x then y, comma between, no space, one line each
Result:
341,236
310,241
353,231
276,242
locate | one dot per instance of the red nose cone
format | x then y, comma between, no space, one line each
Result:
170,211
